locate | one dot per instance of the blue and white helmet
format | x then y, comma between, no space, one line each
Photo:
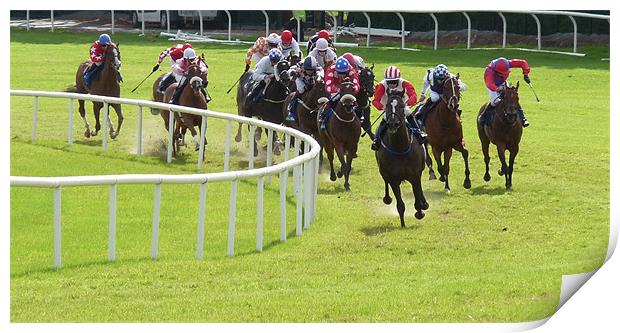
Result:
105,39
342,65
275,55
441,71
310,63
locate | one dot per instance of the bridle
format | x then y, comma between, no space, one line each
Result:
393,102
453,101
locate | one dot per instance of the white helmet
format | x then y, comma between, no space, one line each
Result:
273,38
321,44
189,53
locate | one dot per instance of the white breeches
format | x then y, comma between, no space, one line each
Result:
434,96
301,86
493,97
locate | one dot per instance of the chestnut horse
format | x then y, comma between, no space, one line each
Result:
445,132
104,83
504,130
307,107
191,96
342,132
400,157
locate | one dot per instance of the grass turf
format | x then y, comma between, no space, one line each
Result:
479,255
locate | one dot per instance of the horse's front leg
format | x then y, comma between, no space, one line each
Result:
82,111
347,171
429,163
461,148
447,154
119,121
487,159
329,151
419,199
386,198
437,156
97,111
276,144
400,204
503,170
343,162
511,162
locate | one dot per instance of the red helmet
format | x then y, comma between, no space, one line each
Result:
501,66
324,34
350,58
287,37
392,73
187,46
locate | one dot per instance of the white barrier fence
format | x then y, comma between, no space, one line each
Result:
368,31
304,167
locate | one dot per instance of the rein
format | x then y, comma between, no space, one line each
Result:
409,146
451,97
343,120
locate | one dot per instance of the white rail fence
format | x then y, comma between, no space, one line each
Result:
533,13
304,173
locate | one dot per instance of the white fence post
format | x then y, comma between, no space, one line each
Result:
227,146
52,19
335,27
317,168
251,148
142,11
269,151
574,33
139,148
538,35
112,226
202,202
155,231
57,227
112,19
504,29
298,26
259,214
229,23
34,118
231,218
168,21
307,180
201,137
200,17
170,135
266,23
436,29
468,29
287,148
283,190
70,134
106,113
27,20
367,36
402,30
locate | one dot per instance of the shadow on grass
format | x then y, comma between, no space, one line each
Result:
267,246
391,227
100,262
482,190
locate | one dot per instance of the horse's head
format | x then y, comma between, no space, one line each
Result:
194,75
317,90
451,92
348,100
510,102
367,80
204,68
293,59
113,56
281,72
395,110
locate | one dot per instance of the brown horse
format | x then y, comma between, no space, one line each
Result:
158,96
342,132
400,158
445,133
367,89
504,130
104,83
307,107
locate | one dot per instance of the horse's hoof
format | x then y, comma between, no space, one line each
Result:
500,172
197,148
94,133
419,215
442,178
487,177
113,135
238,138
339,174
347,187
467,184
387,200
276,151
154,112
332,177
447,190
508,187
431,176
87,133
424,205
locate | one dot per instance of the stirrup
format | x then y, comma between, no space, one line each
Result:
374,145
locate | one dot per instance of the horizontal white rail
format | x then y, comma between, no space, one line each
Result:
305,202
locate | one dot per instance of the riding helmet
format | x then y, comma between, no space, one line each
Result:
321,44
287,37
310,63
342,65
275,55
189,54
105,39
440,72
392,73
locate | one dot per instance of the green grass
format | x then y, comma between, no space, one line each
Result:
479,255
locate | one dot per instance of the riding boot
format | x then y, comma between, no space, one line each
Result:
256,94
323,115
379,131
206,94
292,109
416,129
90,73
119,77
360,113
177,94
482,119
165,83
522,116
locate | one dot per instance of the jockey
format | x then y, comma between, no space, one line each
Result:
433,81
97,57
323,54
179,70
334,76
264,72
289,45
356,61
322,34
393,81
261,49
495,76
307,77
174,53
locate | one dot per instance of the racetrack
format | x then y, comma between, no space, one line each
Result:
479,255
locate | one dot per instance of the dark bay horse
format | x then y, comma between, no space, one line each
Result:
400,158
269,108
445,132
367,89
504,130
307,107
342,132
191,96
104,83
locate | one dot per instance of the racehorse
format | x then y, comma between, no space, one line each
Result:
445,133
269,108
104,83
158,96
367,89
400,157
504,129
307,107
192,97
342,132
